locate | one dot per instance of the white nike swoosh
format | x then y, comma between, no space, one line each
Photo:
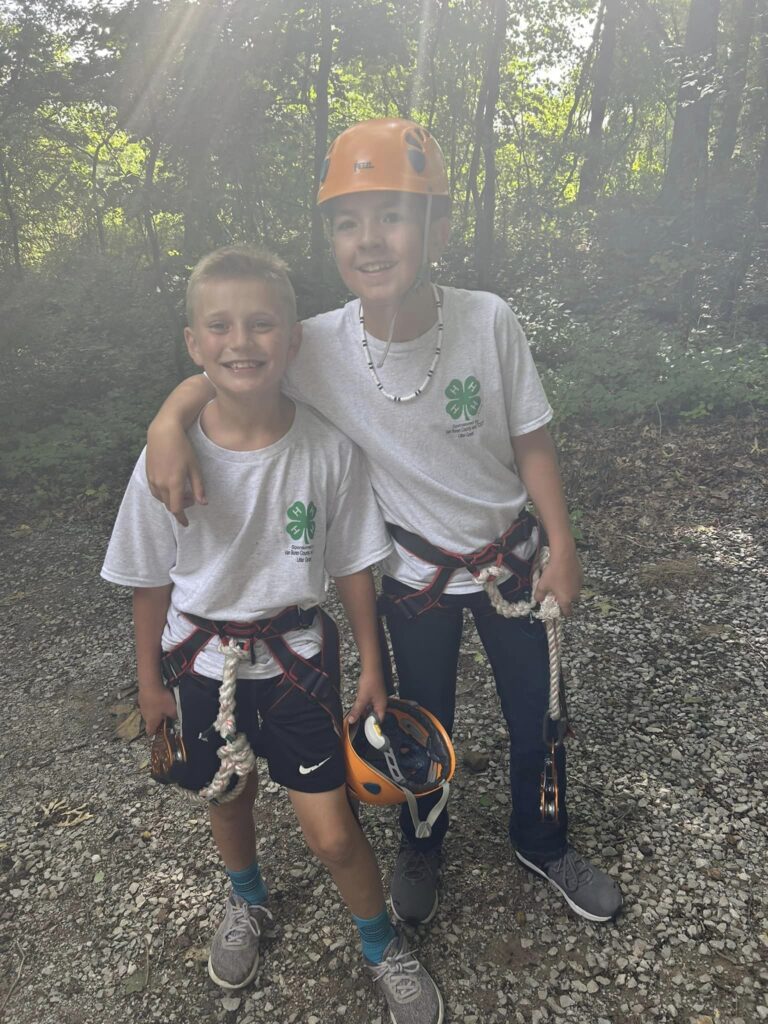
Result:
312,767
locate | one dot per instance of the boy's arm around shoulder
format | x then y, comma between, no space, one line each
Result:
150,607
358,596
537,466
173,472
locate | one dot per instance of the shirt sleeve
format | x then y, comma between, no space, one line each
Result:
142,548
527,405
356,535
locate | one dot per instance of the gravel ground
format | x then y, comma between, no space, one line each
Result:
111,887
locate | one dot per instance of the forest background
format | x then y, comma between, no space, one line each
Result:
608,161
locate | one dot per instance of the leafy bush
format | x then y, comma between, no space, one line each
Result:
87,355
619,375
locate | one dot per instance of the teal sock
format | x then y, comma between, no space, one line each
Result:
250,885
376,933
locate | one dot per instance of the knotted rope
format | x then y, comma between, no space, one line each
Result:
548,612
235,755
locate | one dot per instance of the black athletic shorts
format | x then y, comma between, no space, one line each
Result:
287,728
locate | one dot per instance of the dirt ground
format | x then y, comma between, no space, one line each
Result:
110,886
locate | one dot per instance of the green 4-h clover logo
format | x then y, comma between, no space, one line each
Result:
302,521
464,398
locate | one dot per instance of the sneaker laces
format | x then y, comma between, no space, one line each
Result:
399,973
241,920
575,871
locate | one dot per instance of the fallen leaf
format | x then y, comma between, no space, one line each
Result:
712,629
136,983
60,814
130,727
74,816
121,709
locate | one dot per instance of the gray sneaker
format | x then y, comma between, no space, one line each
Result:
412,997
413,889
234,957
588,891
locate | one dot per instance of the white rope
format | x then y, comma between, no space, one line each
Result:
548,612
235,755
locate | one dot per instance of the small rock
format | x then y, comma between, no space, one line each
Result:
476,760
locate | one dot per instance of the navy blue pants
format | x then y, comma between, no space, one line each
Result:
426,651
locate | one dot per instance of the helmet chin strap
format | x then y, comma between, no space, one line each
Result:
422,278
423,829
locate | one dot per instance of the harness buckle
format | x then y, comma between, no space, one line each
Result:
246,644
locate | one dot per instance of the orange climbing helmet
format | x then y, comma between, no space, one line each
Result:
385,155
408,754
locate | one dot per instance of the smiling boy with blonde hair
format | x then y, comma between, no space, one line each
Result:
232,645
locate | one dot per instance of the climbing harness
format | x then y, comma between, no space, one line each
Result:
498,553
394,760
237,642
486,565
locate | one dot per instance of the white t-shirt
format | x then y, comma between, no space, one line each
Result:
442,466
278,521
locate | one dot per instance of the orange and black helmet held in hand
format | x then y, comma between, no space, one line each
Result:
394,761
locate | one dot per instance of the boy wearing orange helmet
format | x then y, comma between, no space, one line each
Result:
438,388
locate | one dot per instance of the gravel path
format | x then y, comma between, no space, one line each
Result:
110,885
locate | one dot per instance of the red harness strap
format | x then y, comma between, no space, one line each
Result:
498,552
321,683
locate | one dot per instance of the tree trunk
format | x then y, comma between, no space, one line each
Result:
95,204
592,171
759,203
317,240
485,144
196,241
155,256
735,80
13,220
688,155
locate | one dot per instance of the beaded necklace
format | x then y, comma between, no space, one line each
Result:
438,347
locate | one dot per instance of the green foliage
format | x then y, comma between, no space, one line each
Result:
88,355
82,452
136,136
576,516
636,371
